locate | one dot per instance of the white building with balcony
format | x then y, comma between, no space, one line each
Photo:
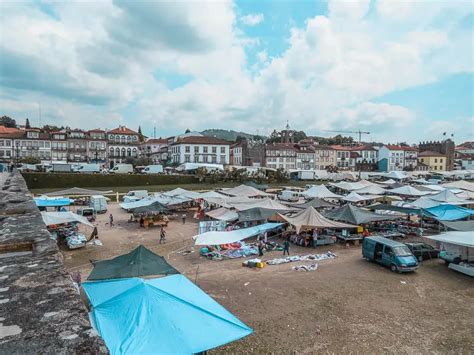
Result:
199,149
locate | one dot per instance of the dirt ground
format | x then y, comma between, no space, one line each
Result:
348,305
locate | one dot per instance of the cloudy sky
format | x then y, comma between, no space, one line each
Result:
402,70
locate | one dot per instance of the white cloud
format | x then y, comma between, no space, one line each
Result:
252,19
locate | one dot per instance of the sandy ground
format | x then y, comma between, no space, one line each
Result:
347,305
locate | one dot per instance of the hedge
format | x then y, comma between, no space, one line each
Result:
62,180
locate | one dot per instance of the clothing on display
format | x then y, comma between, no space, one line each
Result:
289,259
310,267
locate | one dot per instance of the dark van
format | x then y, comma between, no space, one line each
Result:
390,253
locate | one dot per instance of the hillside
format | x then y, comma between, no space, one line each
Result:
228,135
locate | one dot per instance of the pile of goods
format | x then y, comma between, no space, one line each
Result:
254,263
310,267
75,241
229,251
289,259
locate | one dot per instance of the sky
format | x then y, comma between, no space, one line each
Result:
401,70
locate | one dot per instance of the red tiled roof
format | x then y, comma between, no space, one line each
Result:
401,147
323,147
4,129
279,146
123,130
201,140
428,153
97,130
156,141
340,147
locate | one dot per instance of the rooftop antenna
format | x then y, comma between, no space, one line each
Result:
39,113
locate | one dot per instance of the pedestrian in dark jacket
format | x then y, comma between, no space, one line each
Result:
162,235
286,247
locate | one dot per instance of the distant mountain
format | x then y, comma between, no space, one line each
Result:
224,134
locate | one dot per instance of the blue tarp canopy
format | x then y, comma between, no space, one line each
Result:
169,315
56,202
448,212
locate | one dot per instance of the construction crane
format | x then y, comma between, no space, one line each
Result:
359,132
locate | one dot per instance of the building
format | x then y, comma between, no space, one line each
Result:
6,147
305,156
32,143
364,158
97,146
154,149
434,160
325,157
199,149
464,161
239,153
466,148
123,143
411,158
445,148
59,146
77,146
280,156
343,157
391,158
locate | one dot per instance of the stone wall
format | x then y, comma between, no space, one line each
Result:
40,308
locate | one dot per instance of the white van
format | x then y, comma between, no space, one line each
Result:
88,168
122,169
153,169
288,195
98,203
135,195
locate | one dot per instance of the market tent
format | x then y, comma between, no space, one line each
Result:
218,238
263,203
467,195
430,187
464,226
315,203
397,175
349,186
461,184
228,201
399,209
465,239
50,218
447,196
448,212
355,197
421,181
168,315
355,215
408,191
371,190
261,187
52,202
223,214
424,202
179,192
211,194
78,191
320,191
139,262
388,182
310,218
256,214
135,204
244,191
154,208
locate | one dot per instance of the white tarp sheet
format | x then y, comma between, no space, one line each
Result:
219,238
51,218
465,239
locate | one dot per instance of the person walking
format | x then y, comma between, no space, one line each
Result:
183,217
286,247
162,235
260,248
95,233
111,220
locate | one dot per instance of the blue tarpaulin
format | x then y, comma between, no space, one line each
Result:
167,315
56,202
448,212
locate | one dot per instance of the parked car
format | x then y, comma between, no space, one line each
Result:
423,251
390,253
288,195
122,169
153,169
87,212
88,168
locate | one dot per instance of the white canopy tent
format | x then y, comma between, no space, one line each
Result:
371,190
408,191
349,186
461,184
179,192
223,214
245,191
355,197
320,191
465,239
397,175
448,196
51,218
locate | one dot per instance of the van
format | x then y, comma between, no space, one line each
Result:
122,169
153,169
135,195
390,253
288,195
98,203
88,168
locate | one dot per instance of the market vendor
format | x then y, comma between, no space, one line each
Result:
142,221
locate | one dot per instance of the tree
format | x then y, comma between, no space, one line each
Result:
27,124
141,138
7,122
52,128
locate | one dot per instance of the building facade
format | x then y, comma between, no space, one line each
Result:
325,157
77,146
434,160
280,156
200,149
343,157
32,143
59,147
6,148
154,149
97,146
123,143
391,158
445,147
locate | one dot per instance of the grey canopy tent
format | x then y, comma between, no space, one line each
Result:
154,208
256,214
78,191
462,226
356,215
315,203
139,262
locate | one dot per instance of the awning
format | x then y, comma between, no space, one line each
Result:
219,238
223,214
448,212
256,214
52,202
52,218
461,184
465,239
168,315
462,226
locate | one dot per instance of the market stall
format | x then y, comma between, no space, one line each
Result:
63,226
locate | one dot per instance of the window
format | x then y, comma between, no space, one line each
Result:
129,152
214,159
187,149
222,150
223,159
196,149
204,149
388,250
123,152
214,150
436,160
187,158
